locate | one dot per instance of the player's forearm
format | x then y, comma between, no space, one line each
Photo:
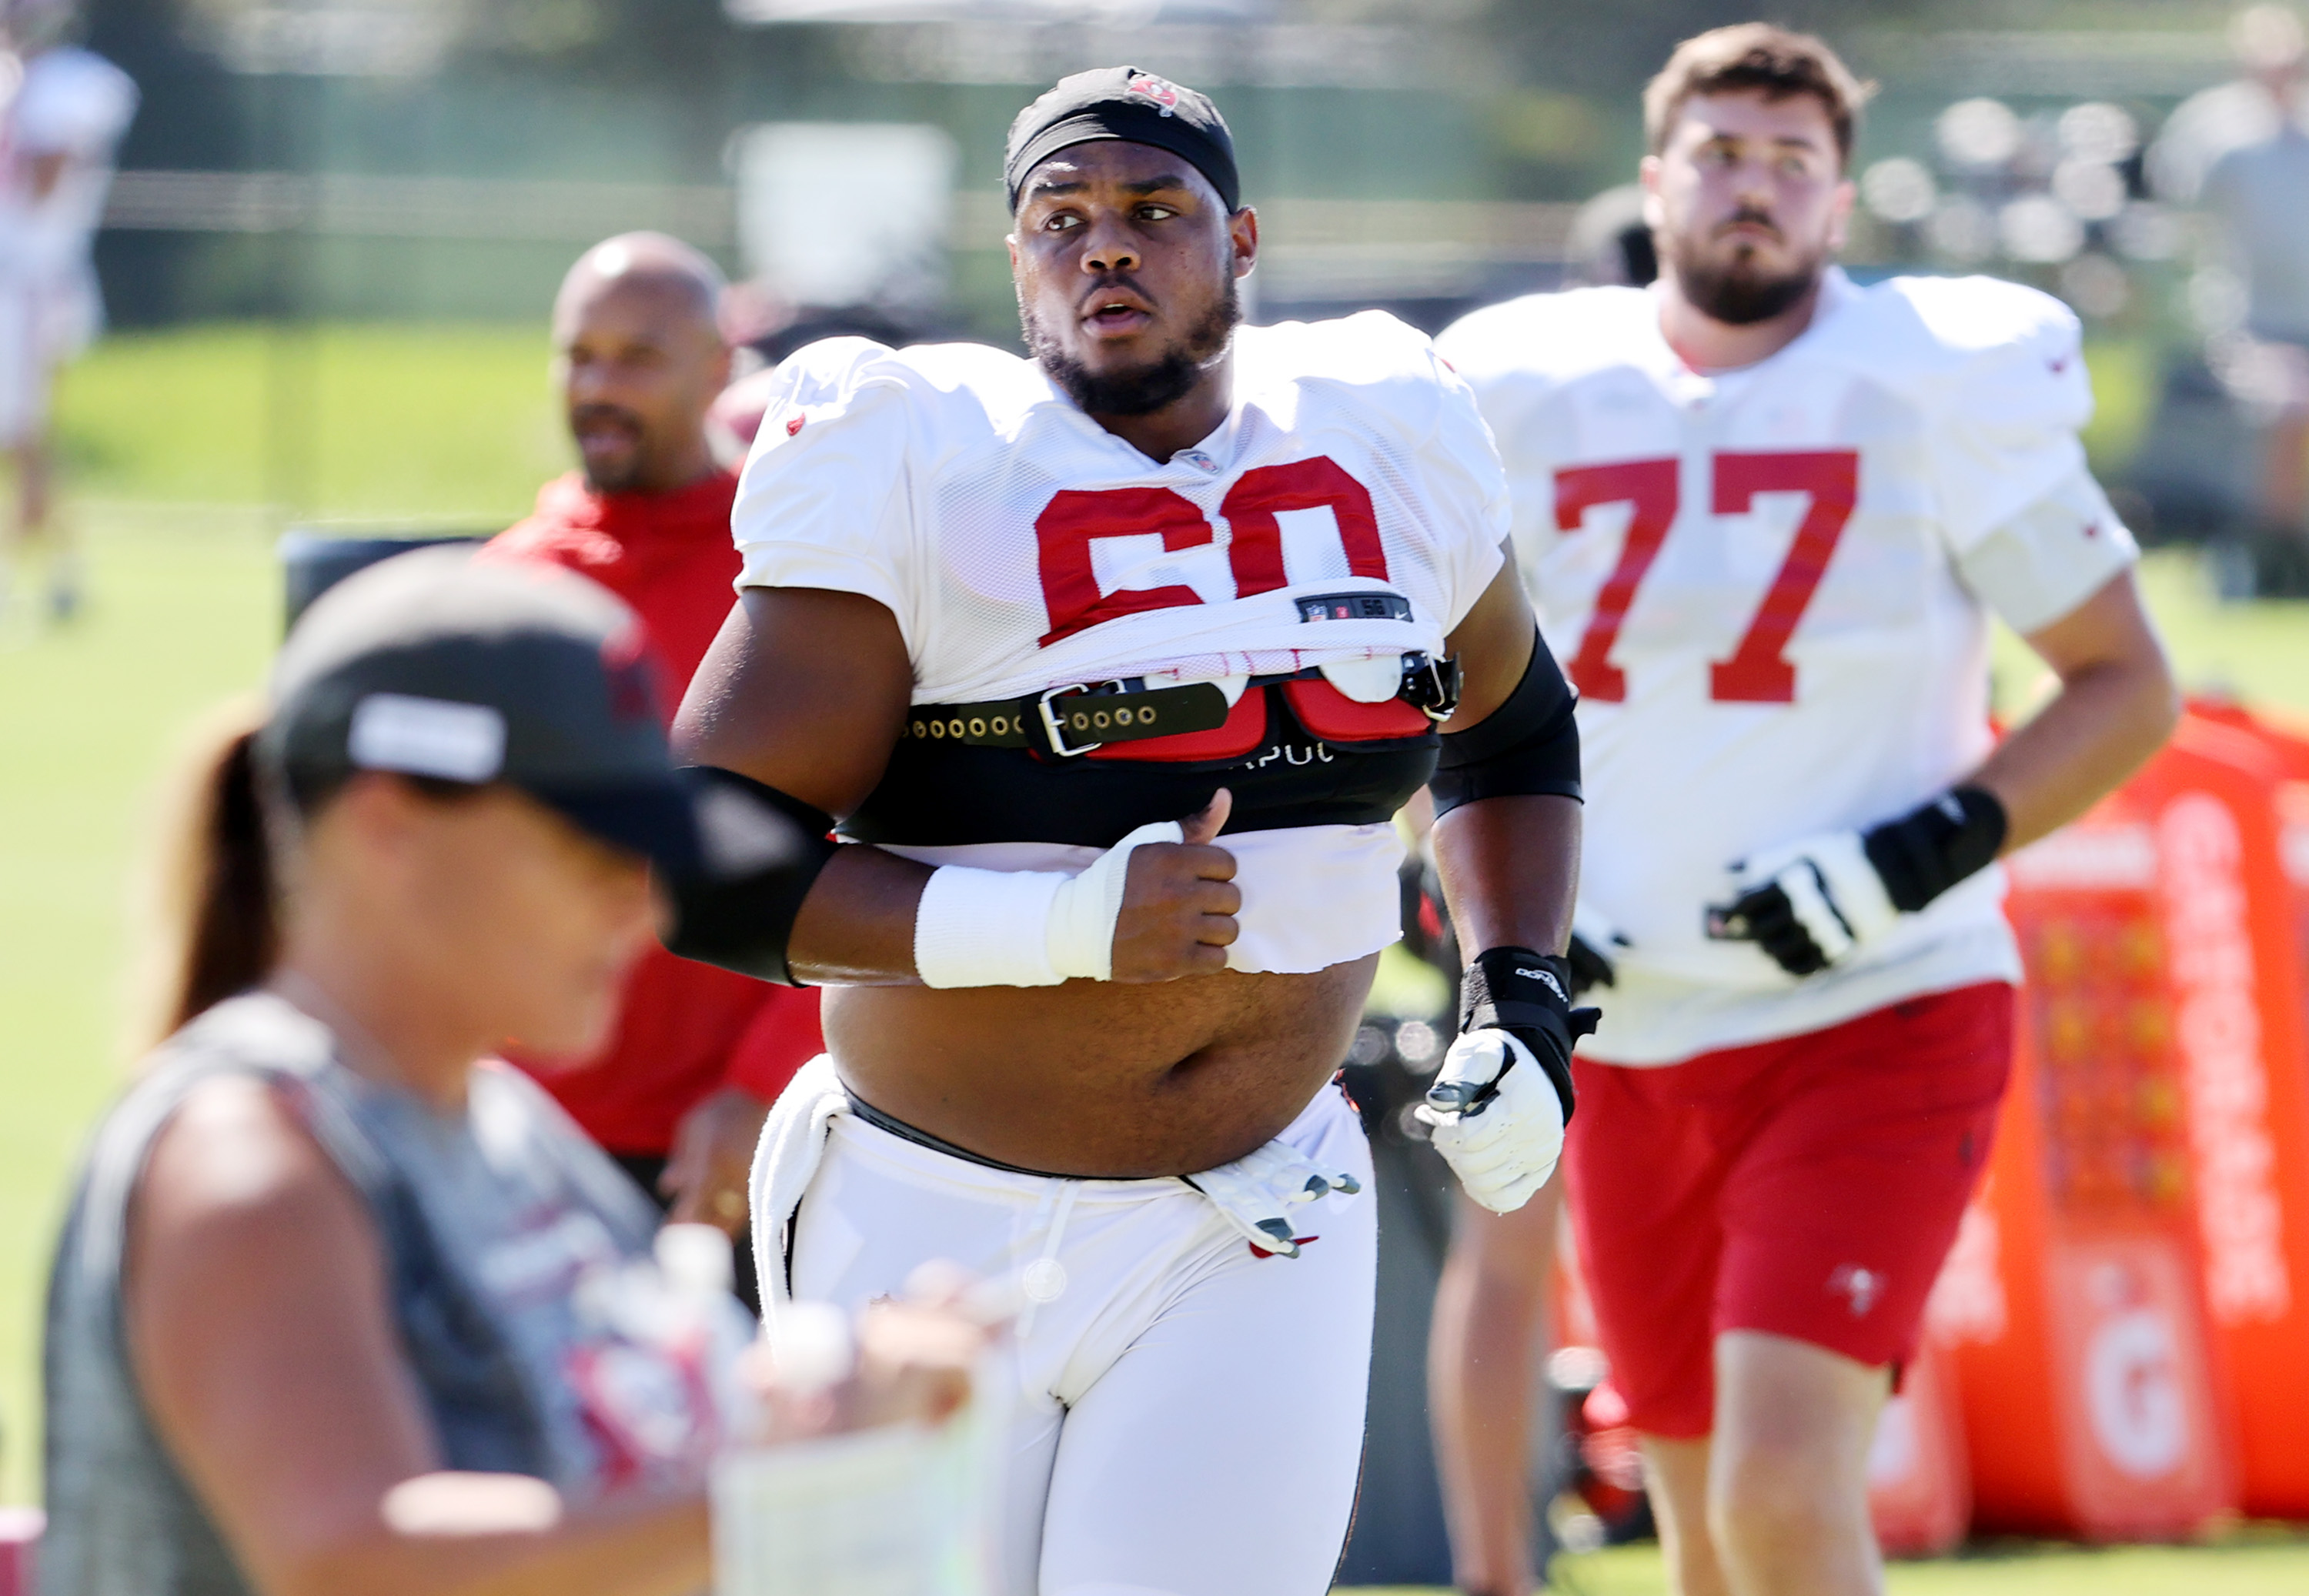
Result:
856,928
1510,870
2107,719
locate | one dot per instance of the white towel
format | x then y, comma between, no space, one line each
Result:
794,1140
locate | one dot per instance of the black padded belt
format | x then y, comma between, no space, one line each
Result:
1073,720
936,792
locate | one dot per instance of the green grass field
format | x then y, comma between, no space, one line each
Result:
431,423
166,437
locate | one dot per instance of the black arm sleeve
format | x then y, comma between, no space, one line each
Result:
1528,745
759,851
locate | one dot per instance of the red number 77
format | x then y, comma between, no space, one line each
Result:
1758,672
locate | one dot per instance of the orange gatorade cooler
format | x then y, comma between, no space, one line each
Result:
2231,800
2070,1304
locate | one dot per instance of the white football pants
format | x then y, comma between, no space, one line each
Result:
1184,1417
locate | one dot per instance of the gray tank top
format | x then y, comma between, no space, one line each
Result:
488,1219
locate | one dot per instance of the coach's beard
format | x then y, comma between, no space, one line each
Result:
1140,390
1733,291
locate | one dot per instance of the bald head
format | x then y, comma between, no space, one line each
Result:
649,264
639,355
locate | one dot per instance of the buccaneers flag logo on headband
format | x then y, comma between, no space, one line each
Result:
1163,94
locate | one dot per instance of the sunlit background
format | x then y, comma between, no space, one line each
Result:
336,229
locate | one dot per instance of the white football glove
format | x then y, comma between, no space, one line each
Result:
1504,1146
1808,905
1256,1193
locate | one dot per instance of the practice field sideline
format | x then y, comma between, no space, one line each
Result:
454,424
2255,1563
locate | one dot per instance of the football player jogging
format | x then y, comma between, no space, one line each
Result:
1115,663
1766,514
63,114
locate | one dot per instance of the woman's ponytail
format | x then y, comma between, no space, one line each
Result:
219,913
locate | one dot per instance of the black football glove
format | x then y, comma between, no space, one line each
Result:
1810,903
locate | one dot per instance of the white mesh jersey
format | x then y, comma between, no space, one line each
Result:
1022,547
1771,588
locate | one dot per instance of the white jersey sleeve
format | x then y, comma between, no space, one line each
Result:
821,497
2005,431
2030,533
2052,556
1468,475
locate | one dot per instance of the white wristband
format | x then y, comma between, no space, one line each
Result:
986,928
1025,928
1084,913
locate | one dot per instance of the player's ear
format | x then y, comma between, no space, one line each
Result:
1243,233
1839,212
1647,175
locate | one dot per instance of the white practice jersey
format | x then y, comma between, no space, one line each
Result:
1771,587
1022,547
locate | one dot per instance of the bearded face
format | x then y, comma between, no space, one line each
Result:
1727,276
1141,389
1125,260
1747,199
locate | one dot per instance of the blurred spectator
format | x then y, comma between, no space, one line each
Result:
2207,125
2256,195
345,1305
67,113
680,1093
2242,153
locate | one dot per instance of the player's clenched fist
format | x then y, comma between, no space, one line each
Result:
1178,902
1500,1102
1159,905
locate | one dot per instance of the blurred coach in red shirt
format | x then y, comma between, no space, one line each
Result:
680,1094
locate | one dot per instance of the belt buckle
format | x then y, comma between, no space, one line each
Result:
1431,685
1054,730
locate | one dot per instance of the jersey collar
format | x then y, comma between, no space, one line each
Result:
1837,293
1208,457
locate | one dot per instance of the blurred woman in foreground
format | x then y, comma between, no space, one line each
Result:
343,1306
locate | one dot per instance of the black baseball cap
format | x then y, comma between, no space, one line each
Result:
436,665
1123,103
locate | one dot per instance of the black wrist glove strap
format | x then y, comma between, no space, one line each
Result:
1931,849
1528,994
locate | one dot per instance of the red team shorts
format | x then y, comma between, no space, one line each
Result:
1808,1186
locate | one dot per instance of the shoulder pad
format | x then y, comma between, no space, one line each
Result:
1973,314
1368,347
945,389
1547,338
980,368
825,370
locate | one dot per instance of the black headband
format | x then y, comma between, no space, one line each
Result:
1134,107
